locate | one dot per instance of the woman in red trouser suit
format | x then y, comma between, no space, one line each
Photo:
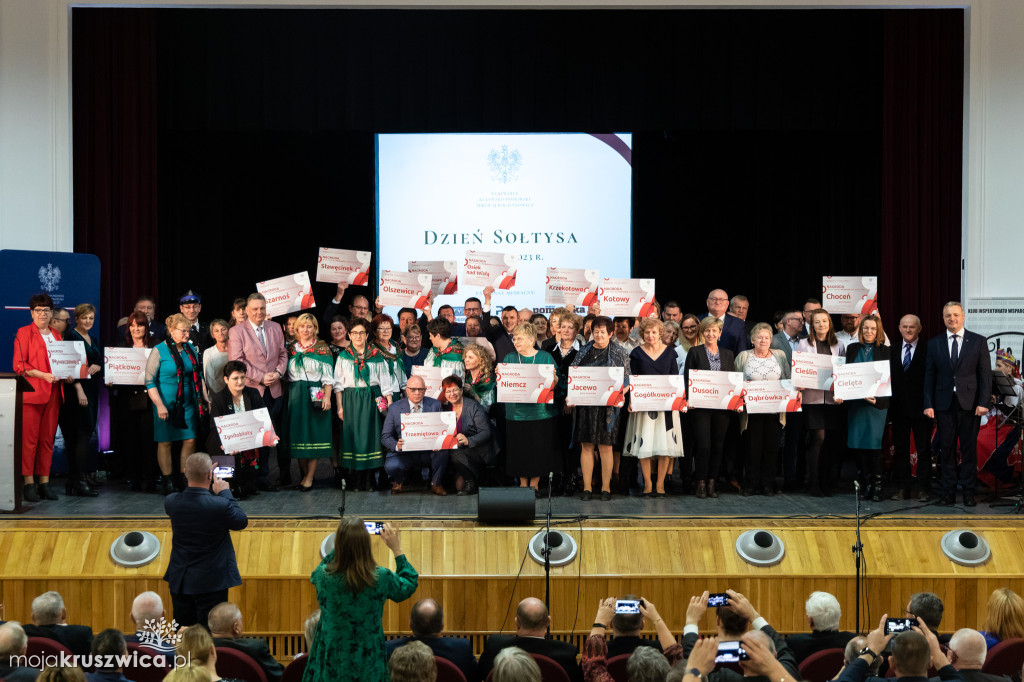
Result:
41,407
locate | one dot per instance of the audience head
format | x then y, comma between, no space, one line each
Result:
188,673
109,642
870,332
147,606
474,356
225,619
473,308
738,306
810,305
910,654
353,557
256,308
311,626
927,607
760,638
532,617
672,312
13,640
412,662
718,302
853,649
60,673
967,649
509,318
730,623
524,315
1005,618
147,306
512,664
413,339
48,609
910,328
426,618
822,328
440,331
359,307
416,389
823,611
627,623
647,664
199,468
196,646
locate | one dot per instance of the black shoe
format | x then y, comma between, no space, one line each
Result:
712,493
165,487
947,500
93,480
924,496
969,500
265,487
45,492
180,482
586,495
339,476
606,495
468,488
78,486
29,494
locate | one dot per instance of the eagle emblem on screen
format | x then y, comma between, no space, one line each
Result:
49,277
504,164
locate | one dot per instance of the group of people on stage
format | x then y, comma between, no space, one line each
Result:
336,388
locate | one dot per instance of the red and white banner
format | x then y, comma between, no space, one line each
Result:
525,383
857,380
849,295
715,390
811,370
343,265
405,289
487,269
657,392
246,431
431,377
599,386
771,395
627,297
572,286
288,294
444,274
67,359
428,431
125,366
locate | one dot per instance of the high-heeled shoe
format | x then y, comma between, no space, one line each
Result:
45,493
78,486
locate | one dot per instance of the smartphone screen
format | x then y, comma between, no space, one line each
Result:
627,606
897,625
223,466
718,599
730,652
374,527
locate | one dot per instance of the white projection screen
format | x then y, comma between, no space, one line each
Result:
553,199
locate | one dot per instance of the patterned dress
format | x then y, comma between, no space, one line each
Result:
349,644
449,359
309,426
396,367
361,380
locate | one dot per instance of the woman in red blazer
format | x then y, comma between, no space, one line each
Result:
41,407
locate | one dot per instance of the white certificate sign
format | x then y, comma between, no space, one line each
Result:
343,265
125,366
657,392
857,380
716,390
246,431
488,269
811,370
771,396
431,377
428,431
444,274
67,359
601,386
849,295
405,289
627,297
572,287
525,383
288,294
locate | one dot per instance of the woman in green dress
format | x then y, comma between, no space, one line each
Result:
310,378
866,418
363,388
351,590
480,375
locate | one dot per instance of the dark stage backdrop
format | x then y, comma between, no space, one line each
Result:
767,143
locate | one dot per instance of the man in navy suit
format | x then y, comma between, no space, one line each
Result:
906,409
532,623
733,332
427,622
50,620
957,390
397,460
202,565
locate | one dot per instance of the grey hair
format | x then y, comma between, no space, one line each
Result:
762,637
853,648
512,664
255,297
969,647
12,639
647,664
46,608
312,625
147,606
824,609
928,607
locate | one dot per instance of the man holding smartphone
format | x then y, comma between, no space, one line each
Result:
202,566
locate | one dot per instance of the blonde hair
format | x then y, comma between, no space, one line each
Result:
196,645
59,673
412,662
177,319
1005,617
189,673
83,309
307,317
648,322
570,316
486,364
706,324
526,329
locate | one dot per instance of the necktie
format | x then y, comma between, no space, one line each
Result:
415,409
263,339
906,357
954,352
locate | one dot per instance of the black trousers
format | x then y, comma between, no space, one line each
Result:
709,430
793,450
763,435
190,609
957,425
921,427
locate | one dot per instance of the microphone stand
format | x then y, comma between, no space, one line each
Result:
547,552
858,553
341,509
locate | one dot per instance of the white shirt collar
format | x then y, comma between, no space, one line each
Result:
949,334
255,328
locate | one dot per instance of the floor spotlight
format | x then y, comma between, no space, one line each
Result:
760,548
134,548
563,548
965,547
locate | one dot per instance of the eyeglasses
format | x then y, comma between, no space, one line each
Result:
190,306
714,298
414,390
689,328
360,307
42,311
183,330
357,333
62,319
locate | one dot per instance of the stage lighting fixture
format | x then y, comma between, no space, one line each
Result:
134,549
965,547
327,546
760,548
563,548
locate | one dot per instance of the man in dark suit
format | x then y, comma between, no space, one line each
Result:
906,409
190,306
823,614
787,339
148,606
146,306
225,622
427,622
532,622
957,391
259,344
793,448
202,565
626,628
109,646
966,651
732,331
398,460
13,643
912,653
50,620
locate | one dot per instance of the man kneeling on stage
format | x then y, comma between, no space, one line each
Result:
398,461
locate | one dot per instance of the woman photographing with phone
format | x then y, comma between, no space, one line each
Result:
351,590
